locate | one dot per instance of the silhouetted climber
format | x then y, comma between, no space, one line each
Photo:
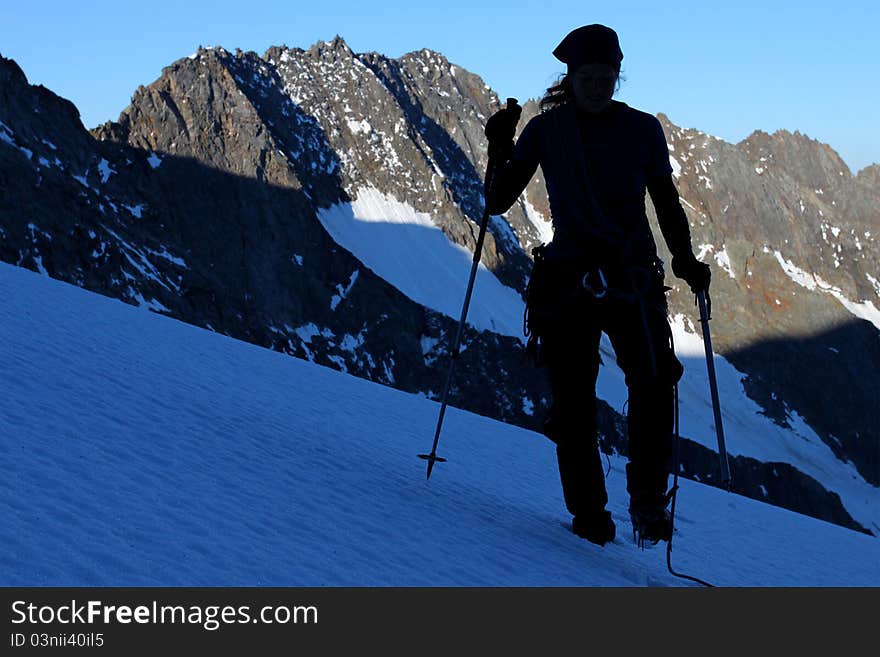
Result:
600,273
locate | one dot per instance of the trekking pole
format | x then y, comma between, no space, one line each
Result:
713,387
490,175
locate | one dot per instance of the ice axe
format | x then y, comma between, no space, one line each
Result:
432,458
705,305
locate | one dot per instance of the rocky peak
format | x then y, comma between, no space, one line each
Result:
380,123
11,74
782,193
334,49
810,162
29,106
870,175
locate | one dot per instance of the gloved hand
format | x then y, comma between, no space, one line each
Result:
500,129
697,274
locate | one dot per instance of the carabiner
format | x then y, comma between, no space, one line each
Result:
602,291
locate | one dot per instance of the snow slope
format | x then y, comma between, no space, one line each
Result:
409,251
138,450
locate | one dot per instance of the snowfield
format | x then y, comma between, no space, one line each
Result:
141,451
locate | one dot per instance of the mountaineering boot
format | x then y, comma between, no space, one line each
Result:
651,523
597,527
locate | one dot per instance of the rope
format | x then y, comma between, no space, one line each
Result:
674,494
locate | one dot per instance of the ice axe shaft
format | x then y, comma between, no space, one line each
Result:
713,388
432,458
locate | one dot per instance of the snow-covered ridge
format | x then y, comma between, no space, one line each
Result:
861,309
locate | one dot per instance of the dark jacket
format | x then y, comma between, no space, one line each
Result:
597,168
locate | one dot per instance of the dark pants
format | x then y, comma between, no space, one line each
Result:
641,337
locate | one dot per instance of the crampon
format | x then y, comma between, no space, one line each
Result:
650,526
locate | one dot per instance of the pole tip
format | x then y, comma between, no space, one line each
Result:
431,459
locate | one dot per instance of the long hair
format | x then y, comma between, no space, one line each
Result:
558,94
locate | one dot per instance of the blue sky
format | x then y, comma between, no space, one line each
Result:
726,68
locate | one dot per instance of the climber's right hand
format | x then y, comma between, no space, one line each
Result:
501,128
